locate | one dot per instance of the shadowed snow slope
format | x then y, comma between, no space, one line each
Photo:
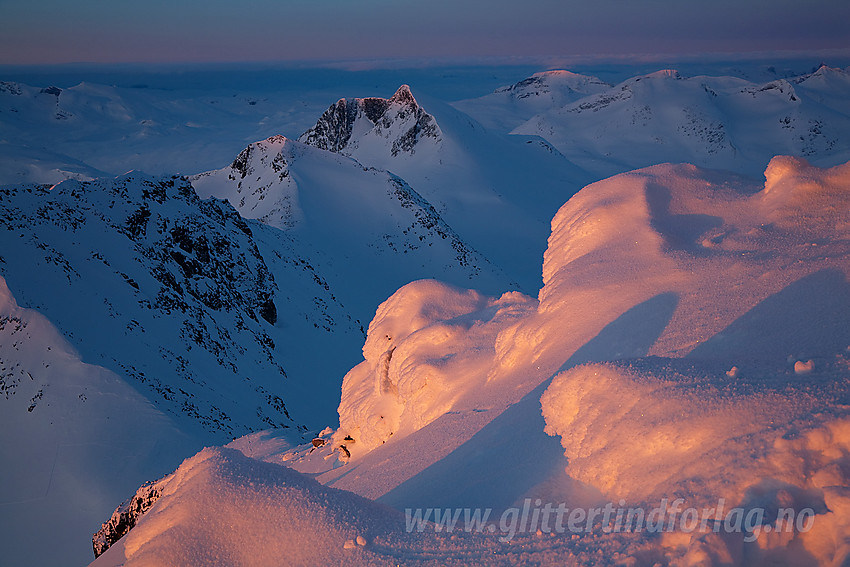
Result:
75,437
647,350
172,310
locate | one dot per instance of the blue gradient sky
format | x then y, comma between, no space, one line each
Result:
58,31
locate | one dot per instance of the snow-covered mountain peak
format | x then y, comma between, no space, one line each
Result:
258,183
826,71
651,82
369,127
562,74
827,80
268,153
781,89
719,122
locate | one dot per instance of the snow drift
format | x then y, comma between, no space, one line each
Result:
412,370
222,508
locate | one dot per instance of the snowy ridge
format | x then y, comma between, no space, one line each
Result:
304,522
554,86
125,517
207,515
264,189
827,85
661,379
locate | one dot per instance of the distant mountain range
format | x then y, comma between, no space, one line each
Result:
720,122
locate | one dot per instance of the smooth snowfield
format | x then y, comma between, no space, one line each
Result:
690,342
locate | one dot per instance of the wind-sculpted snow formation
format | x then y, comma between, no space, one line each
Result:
690,342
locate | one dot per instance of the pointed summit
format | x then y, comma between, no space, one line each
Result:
404,96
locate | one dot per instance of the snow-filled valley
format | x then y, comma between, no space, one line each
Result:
534,306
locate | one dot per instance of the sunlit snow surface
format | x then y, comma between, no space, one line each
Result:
673,275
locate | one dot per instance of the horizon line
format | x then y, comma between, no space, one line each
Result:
390,63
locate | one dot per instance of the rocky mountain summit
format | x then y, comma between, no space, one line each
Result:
398,123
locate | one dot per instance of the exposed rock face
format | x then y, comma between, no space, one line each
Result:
398,121
125,517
